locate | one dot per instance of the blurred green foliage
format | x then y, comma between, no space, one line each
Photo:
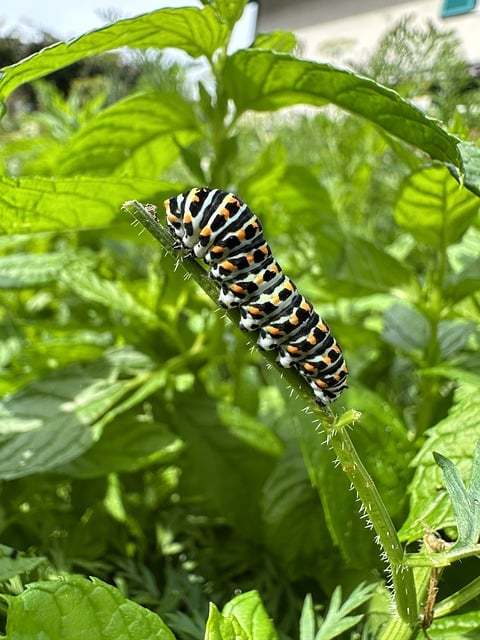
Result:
141,440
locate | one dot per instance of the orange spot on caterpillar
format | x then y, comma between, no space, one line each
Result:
254,311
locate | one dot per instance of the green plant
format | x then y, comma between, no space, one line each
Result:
143,443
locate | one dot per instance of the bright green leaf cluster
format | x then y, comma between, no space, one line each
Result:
141,440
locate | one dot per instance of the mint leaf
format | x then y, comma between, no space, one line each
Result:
74,608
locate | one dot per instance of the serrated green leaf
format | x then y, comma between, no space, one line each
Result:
74,608
129,444
196,31
136,136
110,293
25,270
219,627
433,208
250,612
54,420
429,502
13,564
264,80
30,205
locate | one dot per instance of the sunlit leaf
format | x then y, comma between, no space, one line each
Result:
195,31
30,205
264,80
73,607
250,612
434,208
120,137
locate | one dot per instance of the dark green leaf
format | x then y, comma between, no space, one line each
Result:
293,515
434,208
13,564
355,267
405,328
56,419
218,444
463,284
131,442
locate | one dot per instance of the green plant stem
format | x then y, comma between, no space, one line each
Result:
401,574
429,385
339,440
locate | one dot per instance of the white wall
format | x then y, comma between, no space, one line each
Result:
357,34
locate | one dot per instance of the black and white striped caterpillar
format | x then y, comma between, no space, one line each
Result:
218,227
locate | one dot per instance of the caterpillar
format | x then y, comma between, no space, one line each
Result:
218,227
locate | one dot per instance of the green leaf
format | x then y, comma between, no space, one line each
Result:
434,208
307,624
30,205
25,270
13,564
196,31
337,621
264,80
128,444
293,513
470,155
136,136
354,266
219,442
465,503
250,612
462,627
56,419
230,10
74,608
280,41
110,293
463,284
219,627
405,328
429,503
